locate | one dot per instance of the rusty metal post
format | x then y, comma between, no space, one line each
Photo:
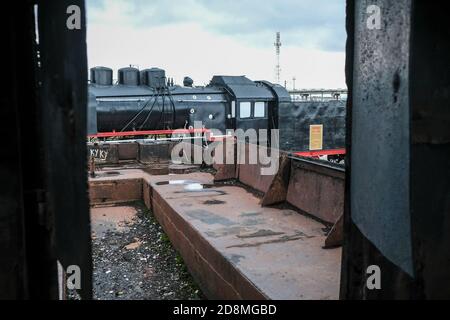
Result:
92,167
397,210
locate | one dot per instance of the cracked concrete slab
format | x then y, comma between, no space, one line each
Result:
236,249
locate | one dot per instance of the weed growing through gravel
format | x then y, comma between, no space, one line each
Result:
152,269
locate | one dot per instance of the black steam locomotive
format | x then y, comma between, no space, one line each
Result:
147,100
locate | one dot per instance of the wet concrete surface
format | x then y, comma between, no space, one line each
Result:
279,251
133,258
237,249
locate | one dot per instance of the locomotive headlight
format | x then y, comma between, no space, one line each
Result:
211,117
192,111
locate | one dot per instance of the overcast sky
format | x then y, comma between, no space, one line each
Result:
202,38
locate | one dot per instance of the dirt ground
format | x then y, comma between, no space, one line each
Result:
133,258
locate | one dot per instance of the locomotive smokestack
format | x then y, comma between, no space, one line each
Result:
188,82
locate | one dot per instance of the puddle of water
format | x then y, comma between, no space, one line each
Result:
112,173
176,182
203,190
106,174
250,214
189,185
193,187
260,233
213,202
210,218
198,187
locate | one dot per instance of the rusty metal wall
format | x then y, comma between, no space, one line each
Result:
250,174
317,190
314,187
397,209
296,118
380,131
115,191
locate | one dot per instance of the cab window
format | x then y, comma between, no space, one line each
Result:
233,109
260,110
245,110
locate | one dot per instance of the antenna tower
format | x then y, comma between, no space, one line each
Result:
277,45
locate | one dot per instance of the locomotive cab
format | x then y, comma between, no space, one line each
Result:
249,102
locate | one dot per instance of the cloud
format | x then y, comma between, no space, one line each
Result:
200,39
309,23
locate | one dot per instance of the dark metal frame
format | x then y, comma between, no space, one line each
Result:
44,214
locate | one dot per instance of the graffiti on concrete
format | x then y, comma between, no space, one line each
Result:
99,154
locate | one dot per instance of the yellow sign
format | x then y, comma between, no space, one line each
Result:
315,137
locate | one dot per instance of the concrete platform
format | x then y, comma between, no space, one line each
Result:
233,247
